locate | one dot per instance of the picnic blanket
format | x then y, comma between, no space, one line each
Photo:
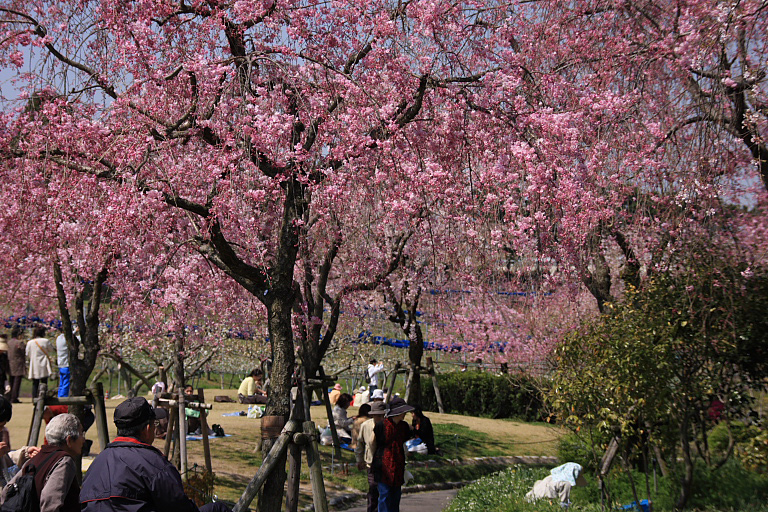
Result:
191,437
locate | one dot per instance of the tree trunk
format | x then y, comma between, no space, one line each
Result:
686,482
178,349
87,320
278,402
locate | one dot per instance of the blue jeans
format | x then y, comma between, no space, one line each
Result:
389,498
63,382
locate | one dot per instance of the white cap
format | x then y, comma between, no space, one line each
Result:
378,393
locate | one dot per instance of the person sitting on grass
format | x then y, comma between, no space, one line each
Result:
194,425
334,395
56,471
343,423
421,427
251,390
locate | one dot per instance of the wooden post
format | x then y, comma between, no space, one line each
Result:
37,417
294,458
432,374
100,410
169,434
204,431
409,379
182,435
332,424
315,469
391,385
175,454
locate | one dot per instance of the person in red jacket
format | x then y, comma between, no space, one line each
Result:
389,460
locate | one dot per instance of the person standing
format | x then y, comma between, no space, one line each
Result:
365,449
389,460
62,355
5,370
17,361
39,351
374,368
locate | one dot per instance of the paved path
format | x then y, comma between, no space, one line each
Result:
434,501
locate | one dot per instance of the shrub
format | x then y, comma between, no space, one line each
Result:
485,394
754,453
718,436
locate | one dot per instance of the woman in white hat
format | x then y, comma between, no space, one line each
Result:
389,460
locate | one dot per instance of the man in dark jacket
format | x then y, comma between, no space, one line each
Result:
17,360
130,475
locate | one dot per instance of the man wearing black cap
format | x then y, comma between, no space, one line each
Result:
130,475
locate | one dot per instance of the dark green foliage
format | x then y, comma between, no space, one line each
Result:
719,438
730,487
485,394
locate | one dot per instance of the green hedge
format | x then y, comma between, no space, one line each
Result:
485,394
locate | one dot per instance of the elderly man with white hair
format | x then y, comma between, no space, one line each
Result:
55,468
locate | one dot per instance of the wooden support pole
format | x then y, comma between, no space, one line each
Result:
169,434
315,469
175,457
294,475
294,458
409,380
391,385
438,398
332,424
100,411
37,417
267,465
204,431
182,436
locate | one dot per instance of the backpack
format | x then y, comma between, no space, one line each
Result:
367,376
22,495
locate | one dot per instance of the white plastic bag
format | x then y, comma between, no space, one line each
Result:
326,438
254,411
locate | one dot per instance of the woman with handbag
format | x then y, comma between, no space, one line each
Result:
39,352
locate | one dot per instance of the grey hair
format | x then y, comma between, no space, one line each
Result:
61,427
